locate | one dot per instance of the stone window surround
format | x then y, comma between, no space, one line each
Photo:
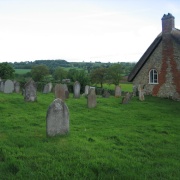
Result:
154,80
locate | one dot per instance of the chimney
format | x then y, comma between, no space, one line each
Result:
167,23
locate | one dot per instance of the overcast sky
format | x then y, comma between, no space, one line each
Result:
81,30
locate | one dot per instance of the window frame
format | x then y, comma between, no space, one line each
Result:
153,76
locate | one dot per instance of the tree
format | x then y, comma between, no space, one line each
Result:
59,74
39,72
114,74
73,74
6,71
98,76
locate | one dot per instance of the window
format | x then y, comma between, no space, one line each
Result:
153,76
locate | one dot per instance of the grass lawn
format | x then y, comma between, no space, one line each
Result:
139,140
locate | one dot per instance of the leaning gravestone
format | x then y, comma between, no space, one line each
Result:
76,89
86,91
30,89
91,100
8,86
117,91
47,88
60,92
16,87
126,98
57,118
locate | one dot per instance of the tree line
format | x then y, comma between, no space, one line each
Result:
86,73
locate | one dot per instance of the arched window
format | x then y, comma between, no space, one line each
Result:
153,76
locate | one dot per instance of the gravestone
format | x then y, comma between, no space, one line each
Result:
30,89
76,89
2,86
117,91
86,91
60,92
141,95
47,88
135,91
91,100
57,118
66,91
126,98
8,86
16,87
106,94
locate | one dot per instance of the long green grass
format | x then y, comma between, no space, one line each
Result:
139,140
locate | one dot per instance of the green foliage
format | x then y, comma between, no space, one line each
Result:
39,72
111,141
60,74
98,76
6,71
114,74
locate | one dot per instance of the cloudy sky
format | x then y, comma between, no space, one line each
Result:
81,30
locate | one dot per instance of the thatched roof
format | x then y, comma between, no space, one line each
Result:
175,34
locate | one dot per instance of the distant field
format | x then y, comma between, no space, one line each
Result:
126,87
22,71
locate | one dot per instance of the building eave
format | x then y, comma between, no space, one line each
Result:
144,58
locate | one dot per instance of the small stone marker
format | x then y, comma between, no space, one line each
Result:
76,89
57,118
141,93
126,98
86,91
117,91
16,87
60,92
135,91
47,88
30,91
91,100
8,86
106,94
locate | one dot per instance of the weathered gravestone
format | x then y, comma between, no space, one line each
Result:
86,91
30,89
117,91
141,93
76,89
57,118
16,87
126,98
66,91
47,88
8,86
106,94
2,86
60,92
91,100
